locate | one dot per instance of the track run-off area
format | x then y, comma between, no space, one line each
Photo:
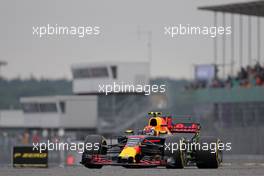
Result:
232,169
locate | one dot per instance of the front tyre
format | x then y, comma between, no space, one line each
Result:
176,158
99,147
211,158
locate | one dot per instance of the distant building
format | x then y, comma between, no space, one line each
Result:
11,119
88,109
88,76
60,112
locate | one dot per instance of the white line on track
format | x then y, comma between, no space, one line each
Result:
250,164
261,164
226,164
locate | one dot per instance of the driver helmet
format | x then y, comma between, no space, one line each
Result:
149,130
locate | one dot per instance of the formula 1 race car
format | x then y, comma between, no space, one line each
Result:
160,143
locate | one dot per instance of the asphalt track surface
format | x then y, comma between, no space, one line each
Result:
249,169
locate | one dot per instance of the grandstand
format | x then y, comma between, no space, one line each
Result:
239,15
242,51
228,105
232,106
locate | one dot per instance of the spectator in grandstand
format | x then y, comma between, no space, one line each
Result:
246,77
259,74
229,82
242,76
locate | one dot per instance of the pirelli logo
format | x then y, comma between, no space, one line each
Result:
31,155
25,156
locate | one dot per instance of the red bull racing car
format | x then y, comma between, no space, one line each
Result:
160,143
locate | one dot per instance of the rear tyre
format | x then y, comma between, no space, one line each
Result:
211,158
99,147
93,166
176,158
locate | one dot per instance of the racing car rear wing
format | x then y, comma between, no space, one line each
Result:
185,128
182,127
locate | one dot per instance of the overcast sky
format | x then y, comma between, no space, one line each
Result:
119,20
